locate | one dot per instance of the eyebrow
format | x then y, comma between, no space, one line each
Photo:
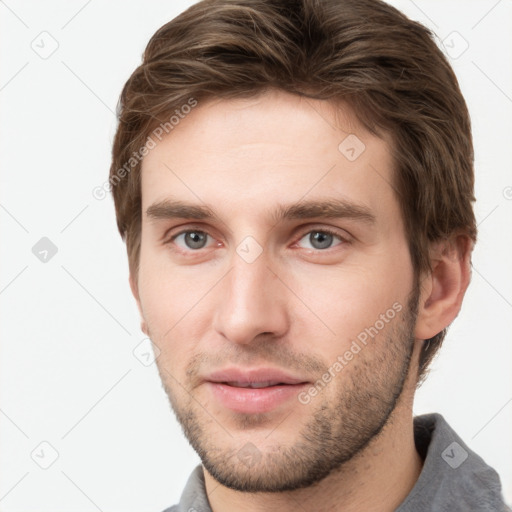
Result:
327,209
330,208
177,209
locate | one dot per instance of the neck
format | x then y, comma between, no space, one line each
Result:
377,480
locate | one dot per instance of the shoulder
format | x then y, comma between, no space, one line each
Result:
453,478
193,498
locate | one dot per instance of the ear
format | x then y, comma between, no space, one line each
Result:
443,289
135,292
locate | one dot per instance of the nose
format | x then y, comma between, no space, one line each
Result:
251,302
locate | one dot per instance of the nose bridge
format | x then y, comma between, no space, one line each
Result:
251,301
249,285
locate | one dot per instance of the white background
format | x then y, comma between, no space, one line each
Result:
69,326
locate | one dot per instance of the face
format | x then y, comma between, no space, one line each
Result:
276,281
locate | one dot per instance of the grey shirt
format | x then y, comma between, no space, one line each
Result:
453,477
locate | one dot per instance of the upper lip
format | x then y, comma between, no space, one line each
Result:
245,376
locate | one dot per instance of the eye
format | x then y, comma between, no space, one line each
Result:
319,240
191,239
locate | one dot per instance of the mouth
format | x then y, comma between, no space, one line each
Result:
255,385
253,391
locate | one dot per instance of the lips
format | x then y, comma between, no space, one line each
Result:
241,377
252,391
254,385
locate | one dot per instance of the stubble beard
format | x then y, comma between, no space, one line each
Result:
342,425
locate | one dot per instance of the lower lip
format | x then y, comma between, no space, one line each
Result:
254,400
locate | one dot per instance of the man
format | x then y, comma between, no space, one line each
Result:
294,182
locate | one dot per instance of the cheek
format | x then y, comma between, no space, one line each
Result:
344,301
170,304
173,302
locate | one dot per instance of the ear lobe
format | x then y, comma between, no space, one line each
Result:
135,292
442,291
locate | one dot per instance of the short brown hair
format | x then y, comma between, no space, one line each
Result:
363,52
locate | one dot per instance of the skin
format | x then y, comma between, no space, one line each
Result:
295,307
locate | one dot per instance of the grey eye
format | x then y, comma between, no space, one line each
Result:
192,239
320,239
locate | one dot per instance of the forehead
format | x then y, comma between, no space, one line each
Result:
247,155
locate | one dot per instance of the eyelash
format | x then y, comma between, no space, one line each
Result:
328,231
343,239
